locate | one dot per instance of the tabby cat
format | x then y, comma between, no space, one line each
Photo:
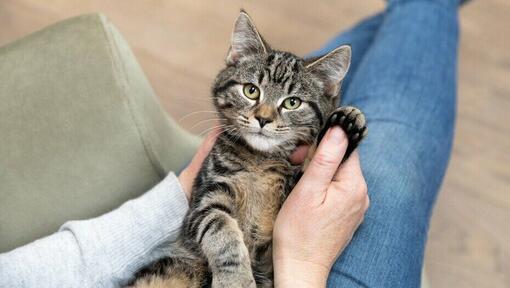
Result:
269,101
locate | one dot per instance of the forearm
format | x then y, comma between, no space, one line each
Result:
53,260
104,251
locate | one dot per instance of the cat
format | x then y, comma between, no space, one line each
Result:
269,102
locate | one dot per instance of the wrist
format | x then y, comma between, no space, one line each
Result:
298,273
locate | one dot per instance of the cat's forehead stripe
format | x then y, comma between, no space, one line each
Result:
281,69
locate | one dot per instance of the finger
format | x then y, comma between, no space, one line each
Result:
326,160
299,155
203,151
209,141
349,170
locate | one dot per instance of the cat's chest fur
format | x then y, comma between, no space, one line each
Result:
260,185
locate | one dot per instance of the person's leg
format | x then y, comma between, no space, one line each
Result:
406,86
360,37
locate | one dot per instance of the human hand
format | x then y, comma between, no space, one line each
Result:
188,174
320,215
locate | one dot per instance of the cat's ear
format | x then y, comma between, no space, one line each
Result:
245,41
331,69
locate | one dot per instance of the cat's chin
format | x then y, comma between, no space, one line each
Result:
261,142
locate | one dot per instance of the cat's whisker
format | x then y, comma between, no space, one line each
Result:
242,118
223,127
205,121
230,129
236,136
210,129
194,113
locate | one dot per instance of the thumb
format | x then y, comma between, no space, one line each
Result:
326,160
202,152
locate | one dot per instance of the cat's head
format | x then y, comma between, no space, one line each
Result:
275,100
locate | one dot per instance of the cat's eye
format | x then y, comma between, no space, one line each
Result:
291,103
251,91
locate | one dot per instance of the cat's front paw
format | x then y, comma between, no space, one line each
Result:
352,121
233,280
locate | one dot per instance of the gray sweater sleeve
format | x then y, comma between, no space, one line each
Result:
102,252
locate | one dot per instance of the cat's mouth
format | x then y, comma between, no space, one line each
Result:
262,133
261,141
258,132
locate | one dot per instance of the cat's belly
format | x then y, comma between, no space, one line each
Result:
259,195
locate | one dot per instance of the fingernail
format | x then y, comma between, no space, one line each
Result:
337,134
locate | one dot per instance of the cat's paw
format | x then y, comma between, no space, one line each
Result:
233,280
352,121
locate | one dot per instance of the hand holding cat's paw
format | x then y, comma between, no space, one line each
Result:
323,210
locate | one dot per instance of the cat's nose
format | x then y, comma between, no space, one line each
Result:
263,121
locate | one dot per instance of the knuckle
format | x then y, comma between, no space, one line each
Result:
360,193
367,202
360,186
363,187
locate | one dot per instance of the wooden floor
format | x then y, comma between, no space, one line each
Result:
181,45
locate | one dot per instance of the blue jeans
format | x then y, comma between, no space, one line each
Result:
403,77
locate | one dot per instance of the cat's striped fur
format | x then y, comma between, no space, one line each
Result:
227,235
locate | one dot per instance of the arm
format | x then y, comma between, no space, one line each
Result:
103,251
106,251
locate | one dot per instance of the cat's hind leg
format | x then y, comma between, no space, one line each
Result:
177,271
